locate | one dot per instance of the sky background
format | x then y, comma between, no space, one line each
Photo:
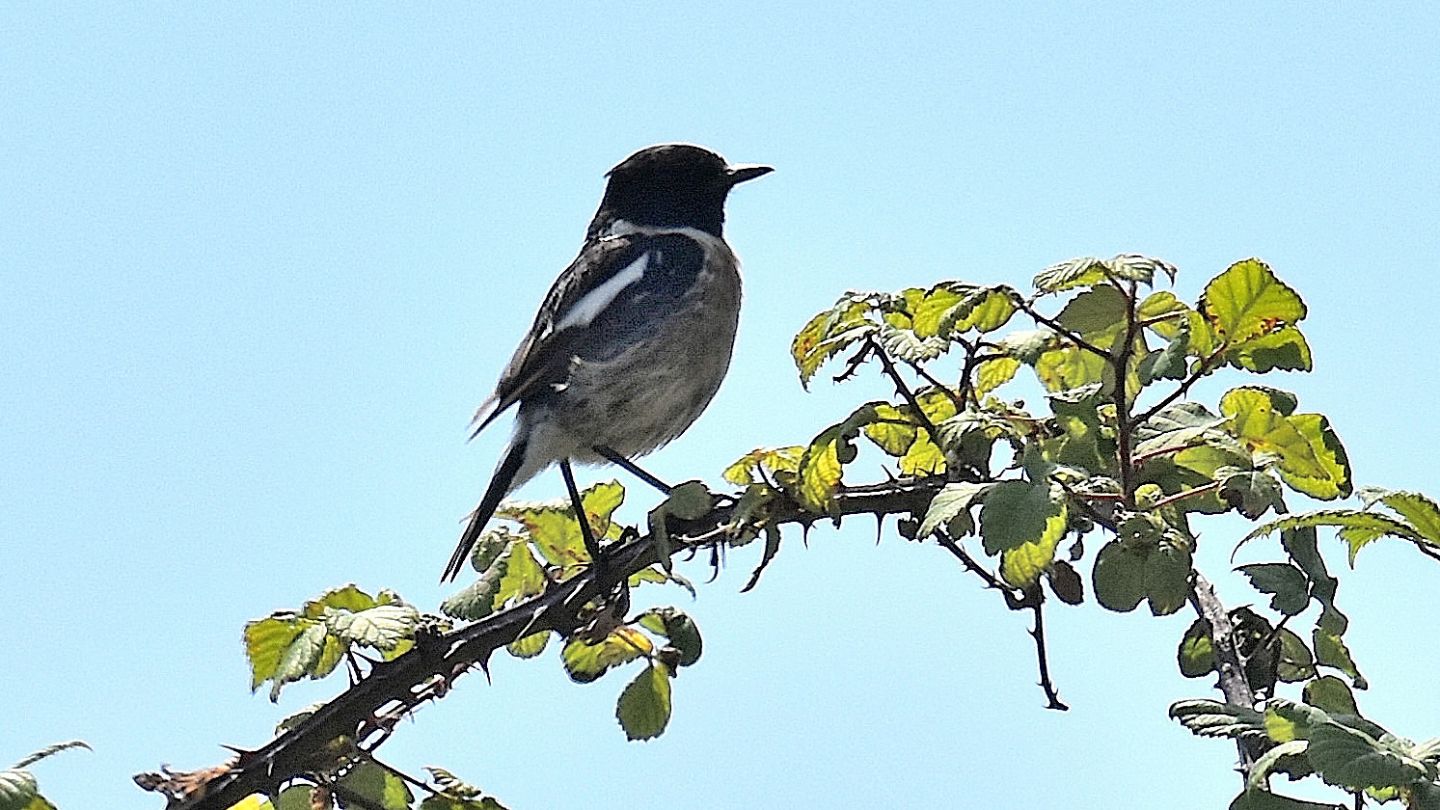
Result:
258,263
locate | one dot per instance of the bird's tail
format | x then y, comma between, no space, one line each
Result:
500,485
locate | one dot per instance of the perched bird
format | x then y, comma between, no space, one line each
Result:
633,339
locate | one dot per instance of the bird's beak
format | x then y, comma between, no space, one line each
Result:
746,171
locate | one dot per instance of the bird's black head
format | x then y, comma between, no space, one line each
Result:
671,185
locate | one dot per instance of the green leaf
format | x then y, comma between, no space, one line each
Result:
295,797
1284,349
1296,662
1175,427
1304,550
529,646
18,790
644,706
950,501
820,472
512,576
1087,270
1252,493
1070,367
378,786
772,547
1261,768
1330,651
1210,718
1099,310
266,641
1285,584
300,657
1331,694
1357,528
1247,301
893,431
1119,577
1335,481
1351,758
679,628
905,344
1169,362
1420,511
383,627
823,462
1167,578
1016,512
346,597
1264,800
1196,655
1022,566
585,662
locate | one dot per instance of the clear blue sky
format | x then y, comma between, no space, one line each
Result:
259,263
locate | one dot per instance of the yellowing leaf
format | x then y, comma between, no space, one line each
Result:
554,530
993,373
585,661
828,333
1070,367
746,470
820,472
984,311
1247,300
529,646
1334,481
1255,420
1022,566
266,640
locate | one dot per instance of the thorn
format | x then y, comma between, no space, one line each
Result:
879,526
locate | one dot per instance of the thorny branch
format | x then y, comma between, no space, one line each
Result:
367,711
1016,599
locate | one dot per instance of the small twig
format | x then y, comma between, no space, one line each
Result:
1036,599
945,389
1013,599
1180,496
1200,371
1055,326
893,373
1090,511
1428,550
425,786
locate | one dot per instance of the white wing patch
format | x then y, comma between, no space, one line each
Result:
594,302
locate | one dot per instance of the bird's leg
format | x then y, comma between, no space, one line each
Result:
586,533
631,467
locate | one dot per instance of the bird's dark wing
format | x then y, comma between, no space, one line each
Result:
603,302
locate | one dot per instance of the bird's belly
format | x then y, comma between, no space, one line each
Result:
649,394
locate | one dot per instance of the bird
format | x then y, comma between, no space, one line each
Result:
634,337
